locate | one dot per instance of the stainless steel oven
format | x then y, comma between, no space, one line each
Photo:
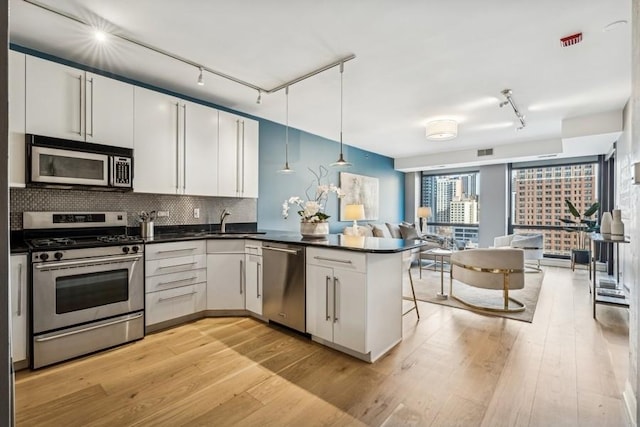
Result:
87,292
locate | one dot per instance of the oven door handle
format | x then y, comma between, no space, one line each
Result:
90,328
89,261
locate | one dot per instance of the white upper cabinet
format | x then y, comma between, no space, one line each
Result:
176,146
200,149
16,119
64,102
157,118
109,111
238,156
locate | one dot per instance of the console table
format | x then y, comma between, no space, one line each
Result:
599,292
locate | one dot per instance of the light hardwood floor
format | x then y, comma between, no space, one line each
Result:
454,367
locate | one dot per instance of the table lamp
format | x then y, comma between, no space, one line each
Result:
354,213
424,212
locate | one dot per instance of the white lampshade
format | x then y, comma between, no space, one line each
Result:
424,212
353,212
441,130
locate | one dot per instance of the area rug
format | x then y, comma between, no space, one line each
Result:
427,288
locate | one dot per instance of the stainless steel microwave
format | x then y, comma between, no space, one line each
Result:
55,162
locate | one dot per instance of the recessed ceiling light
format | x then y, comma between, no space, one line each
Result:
615,25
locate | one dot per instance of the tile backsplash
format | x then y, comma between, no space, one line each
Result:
180,208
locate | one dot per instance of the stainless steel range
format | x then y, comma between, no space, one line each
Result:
87,284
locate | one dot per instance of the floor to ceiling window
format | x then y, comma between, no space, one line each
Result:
538,194
453,199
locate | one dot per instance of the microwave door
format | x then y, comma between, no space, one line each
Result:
55,166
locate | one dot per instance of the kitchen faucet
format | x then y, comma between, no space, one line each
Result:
223,220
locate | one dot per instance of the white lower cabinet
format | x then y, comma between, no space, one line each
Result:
336,306
354,300
253,277
19,307
174,303
226,275
175,280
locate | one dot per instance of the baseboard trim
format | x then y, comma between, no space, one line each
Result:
630,404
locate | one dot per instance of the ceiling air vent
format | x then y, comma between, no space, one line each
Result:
571,40
485,152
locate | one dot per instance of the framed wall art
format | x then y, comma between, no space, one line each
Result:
359,190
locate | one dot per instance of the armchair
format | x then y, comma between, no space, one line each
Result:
499,269
532,244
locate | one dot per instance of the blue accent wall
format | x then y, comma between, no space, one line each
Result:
310,151
305,151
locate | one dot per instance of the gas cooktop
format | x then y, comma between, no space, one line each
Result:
72,242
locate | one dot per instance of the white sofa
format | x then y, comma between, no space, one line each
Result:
533,245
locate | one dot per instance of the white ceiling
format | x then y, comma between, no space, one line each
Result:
416,60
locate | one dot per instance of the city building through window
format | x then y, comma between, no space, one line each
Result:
538,201
453,199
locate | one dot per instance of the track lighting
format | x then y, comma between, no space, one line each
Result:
201,78
259,100
286,169
341,162
507,93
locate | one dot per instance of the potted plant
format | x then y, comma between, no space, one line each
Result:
581,224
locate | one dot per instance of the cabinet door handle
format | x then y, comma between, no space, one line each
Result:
91,108
184,149
20,289
177,265
320,258
258,265
242,275
335,315
237,156
188,279
242,173
176,250
176,296
80,106
177,146
326,298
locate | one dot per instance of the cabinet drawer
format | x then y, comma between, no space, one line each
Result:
174,249
174,265
175,280
172,303
337,259
225,246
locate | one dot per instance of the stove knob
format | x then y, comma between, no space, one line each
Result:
135,249
58,255
44,256
125,249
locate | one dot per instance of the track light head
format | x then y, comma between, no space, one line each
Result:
200,78
259,100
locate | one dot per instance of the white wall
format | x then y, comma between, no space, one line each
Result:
628,197
493,203
411,196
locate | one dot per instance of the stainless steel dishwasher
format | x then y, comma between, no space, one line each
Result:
283,284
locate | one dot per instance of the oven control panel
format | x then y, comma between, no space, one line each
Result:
71,254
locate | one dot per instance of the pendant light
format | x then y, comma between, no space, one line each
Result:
341,161
286,169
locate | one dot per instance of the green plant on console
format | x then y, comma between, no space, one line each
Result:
581,224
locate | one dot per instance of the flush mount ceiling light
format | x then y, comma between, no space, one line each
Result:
286,169
442,130
341,162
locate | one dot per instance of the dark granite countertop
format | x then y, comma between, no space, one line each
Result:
333,241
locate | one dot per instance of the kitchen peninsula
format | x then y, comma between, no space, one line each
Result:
353,284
